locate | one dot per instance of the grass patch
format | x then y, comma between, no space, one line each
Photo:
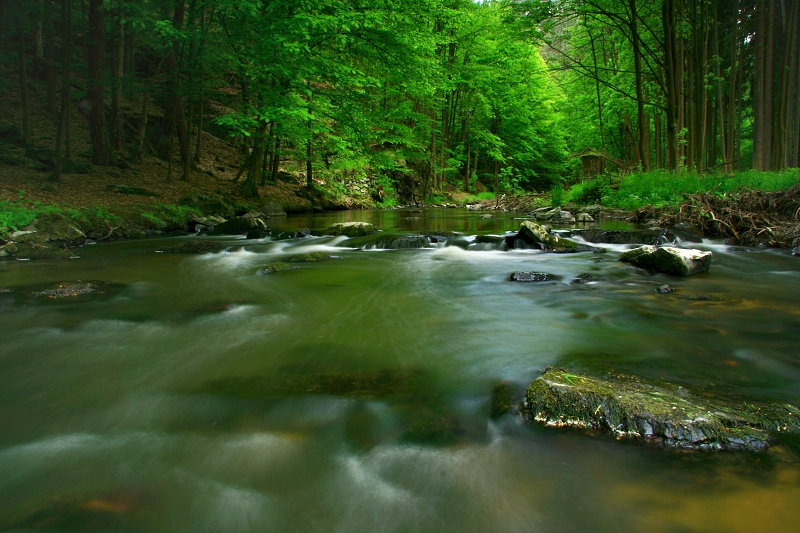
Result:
662,189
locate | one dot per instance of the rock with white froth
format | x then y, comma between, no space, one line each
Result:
668,260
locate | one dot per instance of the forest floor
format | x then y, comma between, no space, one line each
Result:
22,182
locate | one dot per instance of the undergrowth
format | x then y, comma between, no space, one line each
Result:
662,189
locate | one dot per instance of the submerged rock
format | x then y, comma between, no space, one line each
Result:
309,258
654,237
668,260
502,400
534,276
276,266
534,235
191,247
362,385
240,225
351,229
658,413
665,289
64,290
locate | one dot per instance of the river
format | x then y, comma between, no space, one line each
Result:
107,422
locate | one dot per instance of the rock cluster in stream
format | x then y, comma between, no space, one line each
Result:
664,414
533,235
668,260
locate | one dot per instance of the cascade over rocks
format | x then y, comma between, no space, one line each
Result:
668,260
658,413
533,235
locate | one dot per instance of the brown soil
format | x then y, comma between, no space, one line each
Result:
219,165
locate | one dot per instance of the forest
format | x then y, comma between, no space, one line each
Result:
418,96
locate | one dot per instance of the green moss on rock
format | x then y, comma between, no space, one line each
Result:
659,413
309,257
276,266
668,260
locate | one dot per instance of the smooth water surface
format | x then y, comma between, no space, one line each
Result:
107,422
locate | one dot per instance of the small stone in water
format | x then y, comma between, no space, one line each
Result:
698,297
533,276
665,289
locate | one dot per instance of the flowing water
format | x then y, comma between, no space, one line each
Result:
109,419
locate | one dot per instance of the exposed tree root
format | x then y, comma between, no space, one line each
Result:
749,218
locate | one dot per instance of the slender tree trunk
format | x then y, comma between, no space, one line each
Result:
670,68
97,119
173,111
23,86
726,163
469,154
643,128
769,76
116,96
310,155
142,127
597,92
63,123
50,75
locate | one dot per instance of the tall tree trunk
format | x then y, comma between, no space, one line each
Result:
672,87
117,118
769,77
101,155
63,123
310,156
173,111
718,58
643,127
23,86
50,75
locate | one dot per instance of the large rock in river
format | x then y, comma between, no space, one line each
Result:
659,413
533,235
351,229
668,260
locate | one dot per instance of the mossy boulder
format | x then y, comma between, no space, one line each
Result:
659,413
312,257
35,251
351,229
276,266
534,235
54,229
667,260
195,246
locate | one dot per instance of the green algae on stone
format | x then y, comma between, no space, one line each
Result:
276,266
636,409
309,257
668,260
191,247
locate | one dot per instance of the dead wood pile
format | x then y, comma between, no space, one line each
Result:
749,218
